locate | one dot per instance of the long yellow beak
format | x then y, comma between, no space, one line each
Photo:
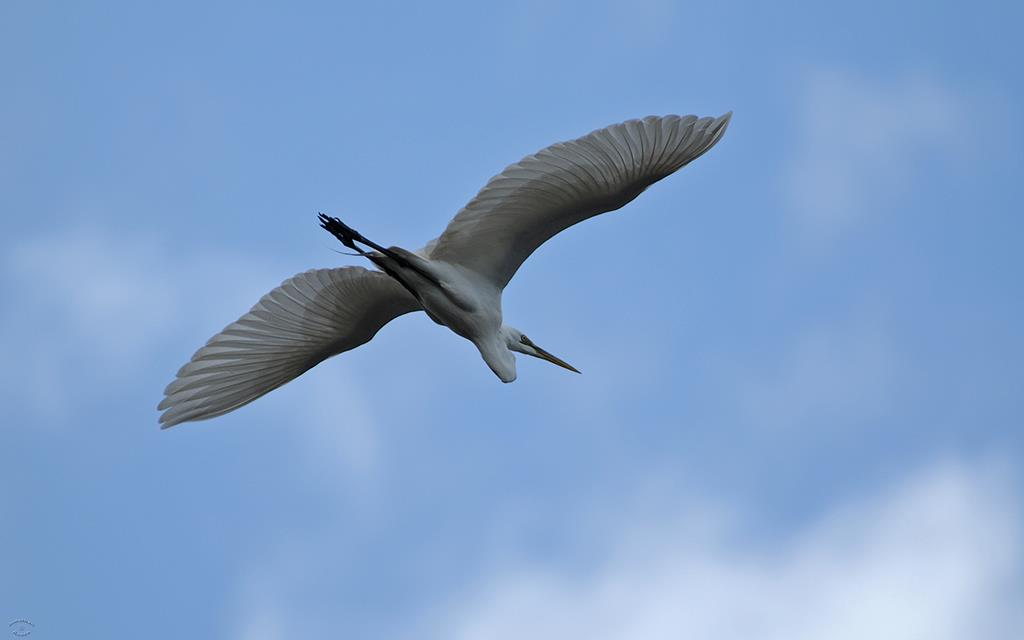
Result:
544,355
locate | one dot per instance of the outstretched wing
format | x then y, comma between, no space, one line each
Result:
545,193
309,318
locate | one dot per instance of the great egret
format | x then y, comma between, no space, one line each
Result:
457,279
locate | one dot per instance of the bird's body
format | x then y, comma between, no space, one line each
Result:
453,297
457,279
471,307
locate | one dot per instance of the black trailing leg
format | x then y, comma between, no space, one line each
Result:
349,237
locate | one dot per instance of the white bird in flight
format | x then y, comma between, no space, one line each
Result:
457,279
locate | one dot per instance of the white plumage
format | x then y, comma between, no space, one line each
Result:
457,279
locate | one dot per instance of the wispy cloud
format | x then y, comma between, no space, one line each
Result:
642,25
828,375
935,557
100,290
119,294
77,297
261,619
859,140
95,306
91,305
340,436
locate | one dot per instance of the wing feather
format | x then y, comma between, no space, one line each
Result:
568,182
309,318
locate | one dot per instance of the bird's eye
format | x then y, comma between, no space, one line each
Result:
524,339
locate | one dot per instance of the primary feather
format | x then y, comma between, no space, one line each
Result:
309,318
545,193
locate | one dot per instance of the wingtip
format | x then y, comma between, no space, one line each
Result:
166,420
719,126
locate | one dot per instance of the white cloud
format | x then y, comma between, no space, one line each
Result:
858,143
935,558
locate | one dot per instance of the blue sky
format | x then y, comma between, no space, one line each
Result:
800,414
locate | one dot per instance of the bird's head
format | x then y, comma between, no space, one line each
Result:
517,341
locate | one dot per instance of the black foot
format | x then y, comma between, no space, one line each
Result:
344,233
349,237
